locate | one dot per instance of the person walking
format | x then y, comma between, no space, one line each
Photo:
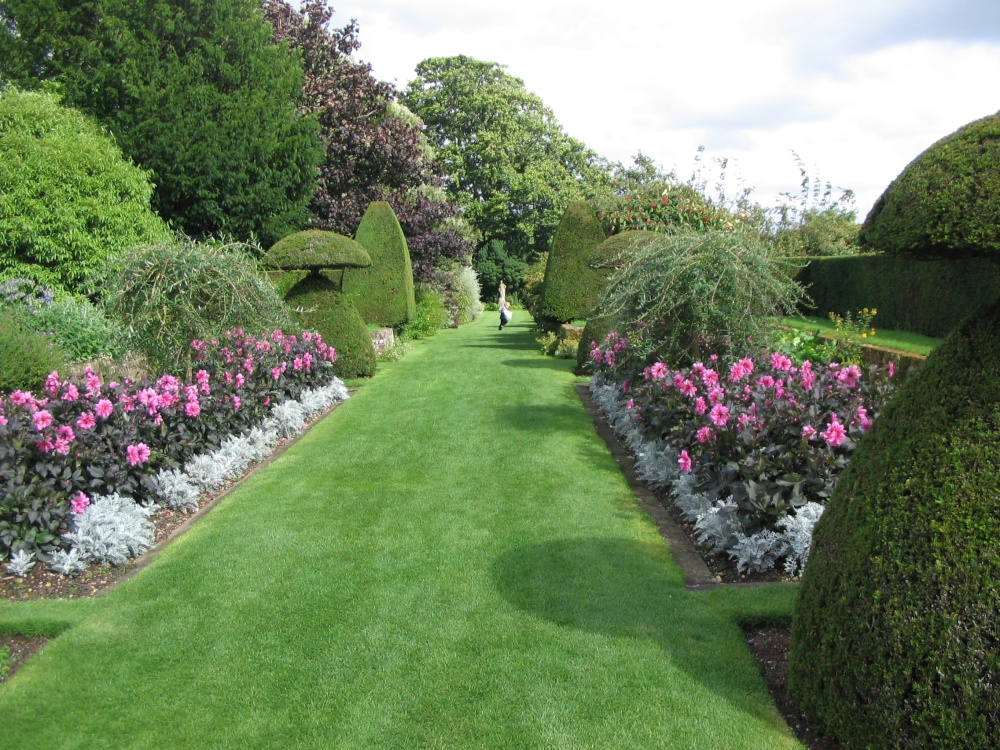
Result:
504,307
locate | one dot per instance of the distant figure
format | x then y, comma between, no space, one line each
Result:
504,306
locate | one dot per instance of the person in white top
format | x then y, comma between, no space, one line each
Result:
504,305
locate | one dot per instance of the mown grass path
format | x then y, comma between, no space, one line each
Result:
452,559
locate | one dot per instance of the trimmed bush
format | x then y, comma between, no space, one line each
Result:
572,287
946,201
315,249
285,281
26,356
894,641
68,199
931,296
170,294
319,306
383,293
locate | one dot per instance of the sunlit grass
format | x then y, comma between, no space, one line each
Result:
891,339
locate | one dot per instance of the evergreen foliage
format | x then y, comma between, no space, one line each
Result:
315,249
170,294
68,198
196,92
572,287
320,306
594,332
285,281
946,201
26,356
383,293
614,250
894,641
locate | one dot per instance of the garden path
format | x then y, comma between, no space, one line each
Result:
452,559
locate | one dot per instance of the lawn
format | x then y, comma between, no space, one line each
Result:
891,339
451,559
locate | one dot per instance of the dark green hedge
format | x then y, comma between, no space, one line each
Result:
931,297
572,288
320,307
895,636
285,281
947,200
597,328
382,293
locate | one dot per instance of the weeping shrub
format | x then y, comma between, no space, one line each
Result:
169,294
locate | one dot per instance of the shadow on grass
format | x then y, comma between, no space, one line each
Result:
535,418
621,589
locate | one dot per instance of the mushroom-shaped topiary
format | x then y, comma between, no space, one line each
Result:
946,201
896,636
316,261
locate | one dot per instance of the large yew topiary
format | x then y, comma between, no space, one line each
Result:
572,287
896,636
382,293
946,201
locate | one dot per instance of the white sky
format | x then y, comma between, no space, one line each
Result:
857,88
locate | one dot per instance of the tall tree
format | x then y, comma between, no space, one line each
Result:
375,148
196,91
509,163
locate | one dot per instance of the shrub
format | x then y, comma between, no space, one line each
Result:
68,199
662,208
613,252
169,294
431,316
320,307
946,201
693,289
572,287
459,288
493,265
594,333
26,356
112,529
894,640
383,293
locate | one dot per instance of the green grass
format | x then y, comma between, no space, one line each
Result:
899,340
451,559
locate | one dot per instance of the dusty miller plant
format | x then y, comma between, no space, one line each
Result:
21,563
68,562
113,529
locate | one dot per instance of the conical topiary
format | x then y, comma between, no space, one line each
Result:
572,288
946,201
383,293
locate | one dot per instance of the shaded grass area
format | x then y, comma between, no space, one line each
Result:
900,340
452,559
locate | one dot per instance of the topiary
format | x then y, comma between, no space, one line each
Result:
26,356
946,201
319,306
894,640
383,293
572,287
895,636
68,199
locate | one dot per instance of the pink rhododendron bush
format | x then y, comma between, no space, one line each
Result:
749,447
77,443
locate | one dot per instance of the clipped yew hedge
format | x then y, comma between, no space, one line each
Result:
572,287
383,293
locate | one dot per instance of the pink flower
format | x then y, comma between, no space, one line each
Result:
719,415
700,407
137,454
104,408
236,403
86,421
276,372
297,363
744,421
835,433
80,503
891,368
42,419
240,380
716,395
808,431
704,434
248,366
780,362
710,377
71,394
658,371
169,383
630,405
765,381
192,408
52,383
65,432
684,461
62,446
688,388
740,370
45,445
21,398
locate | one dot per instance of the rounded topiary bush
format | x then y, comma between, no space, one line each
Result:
26,356
572,287
946,201
896,636
319,306
68,198
383,293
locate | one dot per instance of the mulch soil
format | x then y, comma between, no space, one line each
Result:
769,645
